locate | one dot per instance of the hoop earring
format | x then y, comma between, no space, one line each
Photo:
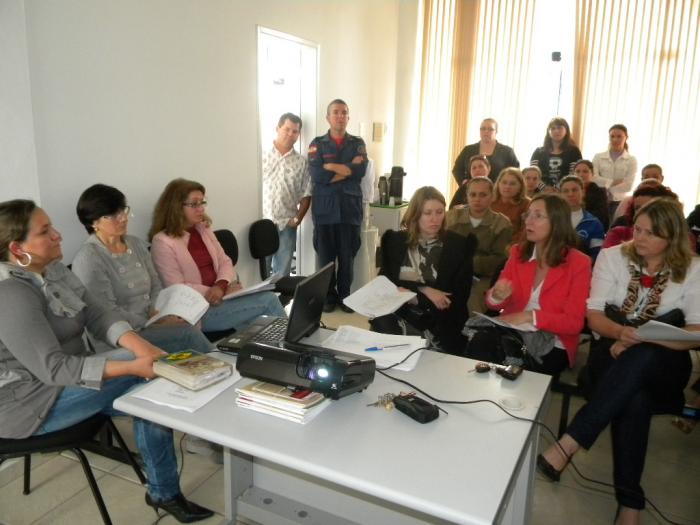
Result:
29,260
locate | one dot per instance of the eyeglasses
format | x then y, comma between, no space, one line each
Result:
484,128
195,205
118,215
534,215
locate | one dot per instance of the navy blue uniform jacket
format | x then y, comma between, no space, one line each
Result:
337,202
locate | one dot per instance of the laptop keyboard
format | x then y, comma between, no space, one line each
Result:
272,333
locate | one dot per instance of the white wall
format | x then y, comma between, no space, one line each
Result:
18,174
136,92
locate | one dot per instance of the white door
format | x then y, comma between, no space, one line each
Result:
287,82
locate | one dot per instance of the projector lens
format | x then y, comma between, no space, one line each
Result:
322,373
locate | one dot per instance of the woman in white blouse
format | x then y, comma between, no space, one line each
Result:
615,168
653,276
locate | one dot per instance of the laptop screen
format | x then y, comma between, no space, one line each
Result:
307,308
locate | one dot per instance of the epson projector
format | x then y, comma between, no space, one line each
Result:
334,374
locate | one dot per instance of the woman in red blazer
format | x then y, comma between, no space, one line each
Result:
546,281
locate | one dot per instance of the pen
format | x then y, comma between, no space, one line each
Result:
378,348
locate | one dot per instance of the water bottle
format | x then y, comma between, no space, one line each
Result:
383,191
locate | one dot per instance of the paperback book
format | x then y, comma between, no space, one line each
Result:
293,404
192,369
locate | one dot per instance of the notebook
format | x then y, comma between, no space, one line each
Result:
304,317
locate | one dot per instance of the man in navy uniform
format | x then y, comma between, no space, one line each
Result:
337,163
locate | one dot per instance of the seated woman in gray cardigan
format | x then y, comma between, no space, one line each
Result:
117,268
49,379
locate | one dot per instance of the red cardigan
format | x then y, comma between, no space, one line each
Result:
562,299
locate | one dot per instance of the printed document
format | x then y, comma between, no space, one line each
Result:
378,297
656,331
385,349
267,285
525,327
182,301
166,393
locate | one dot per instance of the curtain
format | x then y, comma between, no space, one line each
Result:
435,95
638,63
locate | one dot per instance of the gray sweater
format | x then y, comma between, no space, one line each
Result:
42,321
127,282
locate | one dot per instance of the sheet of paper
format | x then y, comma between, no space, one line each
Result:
356,340
525,327
378,297
180,300
166,393
264,286
656,331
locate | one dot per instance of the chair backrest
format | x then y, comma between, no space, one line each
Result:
264,240
228,242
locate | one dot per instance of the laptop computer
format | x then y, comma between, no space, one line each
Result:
304,316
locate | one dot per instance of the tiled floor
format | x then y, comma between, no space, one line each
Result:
60,494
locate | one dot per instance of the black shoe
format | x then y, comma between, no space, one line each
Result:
546,468
329,307
179,508
345,308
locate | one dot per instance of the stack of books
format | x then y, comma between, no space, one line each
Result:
192,369
290,403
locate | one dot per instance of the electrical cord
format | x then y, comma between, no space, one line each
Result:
534,421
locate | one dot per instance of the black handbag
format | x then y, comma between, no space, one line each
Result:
495,344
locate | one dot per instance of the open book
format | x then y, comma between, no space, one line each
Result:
180,300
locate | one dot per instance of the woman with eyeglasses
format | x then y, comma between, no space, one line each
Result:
117,268
186,251
558,155
545,284
499,155
479,166
654,276
50,379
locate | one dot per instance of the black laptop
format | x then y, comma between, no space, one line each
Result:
304,317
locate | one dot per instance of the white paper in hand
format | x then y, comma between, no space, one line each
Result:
378,297
180,300
656,331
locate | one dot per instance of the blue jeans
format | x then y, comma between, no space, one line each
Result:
282,259
337,242
644,380
154,442
176,338
240,312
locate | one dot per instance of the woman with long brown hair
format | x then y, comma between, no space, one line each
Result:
545,284
434,263
558,155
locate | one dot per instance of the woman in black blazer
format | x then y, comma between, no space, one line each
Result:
436,264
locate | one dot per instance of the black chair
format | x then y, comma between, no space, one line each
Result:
228,242
264,241
72,438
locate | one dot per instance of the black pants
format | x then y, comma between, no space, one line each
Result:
644,380
337,243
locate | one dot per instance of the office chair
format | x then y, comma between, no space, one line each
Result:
264,241
228,242
72,438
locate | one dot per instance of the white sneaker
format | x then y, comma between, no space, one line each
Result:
202,447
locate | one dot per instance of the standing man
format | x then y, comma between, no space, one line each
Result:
337,162
286,189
